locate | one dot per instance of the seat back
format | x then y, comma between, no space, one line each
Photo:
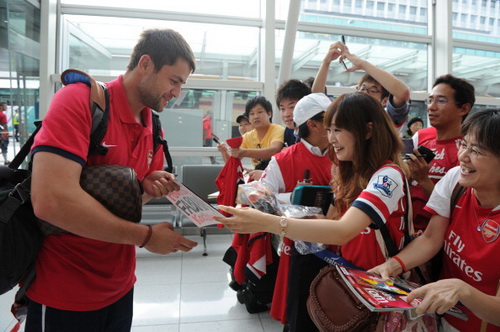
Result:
201,179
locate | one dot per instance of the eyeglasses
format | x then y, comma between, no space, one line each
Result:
440,101
472,152
370,91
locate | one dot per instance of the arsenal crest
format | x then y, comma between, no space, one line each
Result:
490,230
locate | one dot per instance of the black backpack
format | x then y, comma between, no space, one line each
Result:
20,237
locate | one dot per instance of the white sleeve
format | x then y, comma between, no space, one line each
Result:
272,177
415,139
441,195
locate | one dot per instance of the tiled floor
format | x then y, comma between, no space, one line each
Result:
183,292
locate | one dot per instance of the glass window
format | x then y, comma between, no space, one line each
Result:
230,7
479,67
406,60
380,6
402,10
336,16
185,115
233,56
486,34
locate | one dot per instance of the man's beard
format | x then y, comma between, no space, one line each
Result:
146,93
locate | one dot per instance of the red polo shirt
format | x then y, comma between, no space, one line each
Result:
76,273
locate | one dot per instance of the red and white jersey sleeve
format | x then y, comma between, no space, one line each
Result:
439,202
383,201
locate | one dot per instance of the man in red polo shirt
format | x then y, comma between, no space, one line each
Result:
85,278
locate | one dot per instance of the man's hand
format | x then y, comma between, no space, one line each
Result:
222,148
164,240
237,153
159,183
334,52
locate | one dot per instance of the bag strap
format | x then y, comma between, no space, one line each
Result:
99,107
159,140
25,149
387,245
458,191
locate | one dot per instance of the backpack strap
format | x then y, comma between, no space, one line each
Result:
159,140
458,191
99,107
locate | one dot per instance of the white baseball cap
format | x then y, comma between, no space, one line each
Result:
309,106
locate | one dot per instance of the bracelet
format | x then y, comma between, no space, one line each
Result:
400,262
148,237
283,225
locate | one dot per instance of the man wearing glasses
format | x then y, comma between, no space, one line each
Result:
392,93
448,105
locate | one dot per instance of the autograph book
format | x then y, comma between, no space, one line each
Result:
380,295
193,206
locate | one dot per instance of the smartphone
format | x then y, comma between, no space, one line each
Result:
425,153
408,146
341,60
215,140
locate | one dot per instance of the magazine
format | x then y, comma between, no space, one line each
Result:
193,206
381,295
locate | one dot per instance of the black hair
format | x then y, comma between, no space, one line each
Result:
484,125
259,100
292,89
304,130
369,78
464,91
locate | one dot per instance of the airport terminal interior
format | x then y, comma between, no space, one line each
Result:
243,49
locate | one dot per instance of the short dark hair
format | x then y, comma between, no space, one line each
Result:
464,91
259,100
242,117
412,121
292,89
164,46
484,125
369,78
303,131
2,103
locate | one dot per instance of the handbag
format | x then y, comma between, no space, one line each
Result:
116,187
334,308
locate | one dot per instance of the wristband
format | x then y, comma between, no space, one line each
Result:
148,237
400,262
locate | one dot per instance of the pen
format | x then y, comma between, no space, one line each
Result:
402,287
340,59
